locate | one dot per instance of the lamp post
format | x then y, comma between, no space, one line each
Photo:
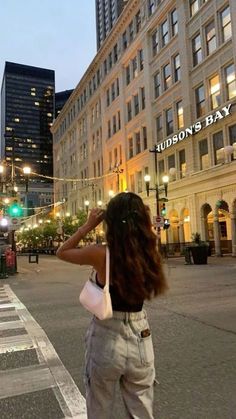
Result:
1,174
99,204
118,171
110,194
26,171
165,180
86,203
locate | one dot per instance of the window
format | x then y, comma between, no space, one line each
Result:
110,160
127,75
138,142
169,122
159,128
109,129
157,85
117,87
105,67
115,53
215,92
167,76
197,49
174,22
120,149
144,131
200,101
230,81
131,148
180,114
194,7
155,42
142,90
119,122
139,182
161,171
134,67
141,59
138,21
129,111
182,163
226,24
136,105
114,124
113,92
110,60
124,40
210,37
164,33
108,97
232,138
151,7
177,67
218,145
171,164
115,156
131,31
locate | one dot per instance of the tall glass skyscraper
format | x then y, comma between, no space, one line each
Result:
107,12
27,108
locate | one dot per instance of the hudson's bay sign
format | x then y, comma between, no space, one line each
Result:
193,129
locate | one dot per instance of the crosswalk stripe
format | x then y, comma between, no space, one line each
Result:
16,343
9,313
16,324
67,393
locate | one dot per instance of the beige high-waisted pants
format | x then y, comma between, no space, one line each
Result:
116,352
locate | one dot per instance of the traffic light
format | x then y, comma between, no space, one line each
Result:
15,209
163,210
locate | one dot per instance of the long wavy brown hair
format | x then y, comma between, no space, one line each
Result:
135,264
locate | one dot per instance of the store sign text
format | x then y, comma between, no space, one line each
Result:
193,129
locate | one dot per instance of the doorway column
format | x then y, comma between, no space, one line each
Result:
216,226
233,232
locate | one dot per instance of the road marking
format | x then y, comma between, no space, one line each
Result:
25,380
67,393
16,343
10,313
15,324
6,305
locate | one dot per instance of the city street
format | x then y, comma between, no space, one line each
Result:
194,334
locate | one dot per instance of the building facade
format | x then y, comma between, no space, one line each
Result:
27,108
107,13
164,78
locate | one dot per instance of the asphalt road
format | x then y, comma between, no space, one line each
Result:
194,333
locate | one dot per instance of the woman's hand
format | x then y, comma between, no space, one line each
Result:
96,216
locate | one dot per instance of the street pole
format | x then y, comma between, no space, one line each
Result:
157,199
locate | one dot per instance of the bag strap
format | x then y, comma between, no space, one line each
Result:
107,266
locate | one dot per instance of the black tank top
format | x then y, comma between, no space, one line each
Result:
118,303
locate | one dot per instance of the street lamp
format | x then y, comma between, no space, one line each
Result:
26,171
118,171
99,204
110,194
86,203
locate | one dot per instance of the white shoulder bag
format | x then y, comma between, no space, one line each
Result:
95,299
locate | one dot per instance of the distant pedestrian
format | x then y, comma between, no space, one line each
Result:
120,349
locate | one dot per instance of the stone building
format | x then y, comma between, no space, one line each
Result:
164,77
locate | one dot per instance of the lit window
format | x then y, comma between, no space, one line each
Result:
182,163
36,103
180,114
215,91
135,67
230,81
171,164
211,37
197,49
17,119
49,114
33,89
232,138
33,94
139,182
131,147
226,24
138,142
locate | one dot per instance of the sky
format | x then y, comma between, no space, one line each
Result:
56,34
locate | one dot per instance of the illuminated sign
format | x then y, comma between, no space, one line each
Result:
193,129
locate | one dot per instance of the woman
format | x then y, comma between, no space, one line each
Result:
120,350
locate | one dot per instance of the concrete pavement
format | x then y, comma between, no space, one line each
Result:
194,330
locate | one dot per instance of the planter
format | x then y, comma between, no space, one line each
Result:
199,254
